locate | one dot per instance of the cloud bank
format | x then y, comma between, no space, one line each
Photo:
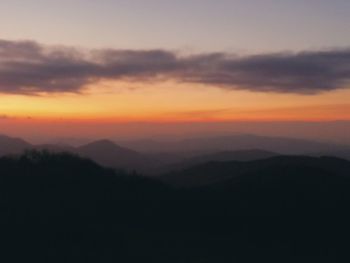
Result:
27,67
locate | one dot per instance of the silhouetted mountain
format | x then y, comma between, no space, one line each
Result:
63,208
103,152
69,141
244,155
10,145
216,173
109,154
345,153
342,154
55,148
234,143
145,145
182,154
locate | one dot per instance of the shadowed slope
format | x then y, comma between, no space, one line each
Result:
183,163
109,154
223,172
10,145
62,208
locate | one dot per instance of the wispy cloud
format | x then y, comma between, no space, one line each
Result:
27,67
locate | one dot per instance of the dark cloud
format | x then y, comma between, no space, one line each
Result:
30,68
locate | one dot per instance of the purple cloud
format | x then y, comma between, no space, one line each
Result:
27,67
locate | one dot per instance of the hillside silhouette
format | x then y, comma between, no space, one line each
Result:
104,152
64,208
154,158
9,145
243,155
109,154
226,173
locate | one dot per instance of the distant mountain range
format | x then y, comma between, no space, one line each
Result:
260,172
243,155
152,157
234,143
104,152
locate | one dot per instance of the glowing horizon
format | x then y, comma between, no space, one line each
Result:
114,63
172,102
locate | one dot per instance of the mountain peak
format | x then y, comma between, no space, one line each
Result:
103,142
10,145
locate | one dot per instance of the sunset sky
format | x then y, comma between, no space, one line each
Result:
101,67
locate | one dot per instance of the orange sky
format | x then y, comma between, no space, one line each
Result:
131,110
174,102
255,43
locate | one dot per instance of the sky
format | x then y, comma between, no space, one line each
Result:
108,68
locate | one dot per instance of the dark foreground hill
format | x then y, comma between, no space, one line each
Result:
225,174
61,208
243,155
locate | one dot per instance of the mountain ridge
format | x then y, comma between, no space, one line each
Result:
222,172
109,153
236,142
